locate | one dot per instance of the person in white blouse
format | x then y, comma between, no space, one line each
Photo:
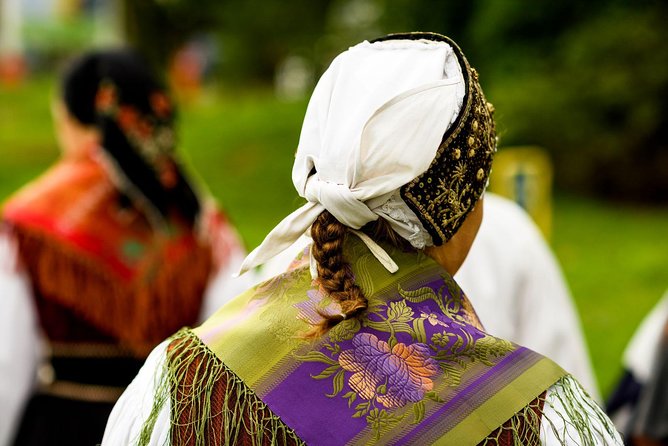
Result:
635,404
21,340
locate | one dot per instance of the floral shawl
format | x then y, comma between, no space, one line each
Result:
418,368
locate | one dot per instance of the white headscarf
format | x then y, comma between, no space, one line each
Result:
374,123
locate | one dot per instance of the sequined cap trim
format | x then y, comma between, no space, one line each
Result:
448,190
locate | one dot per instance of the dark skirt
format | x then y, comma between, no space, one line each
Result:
73,410
56,421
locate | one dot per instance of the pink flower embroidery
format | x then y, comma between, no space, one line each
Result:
309,310
392,376
433,319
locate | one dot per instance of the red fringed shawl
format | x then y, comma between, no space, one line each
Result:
100,272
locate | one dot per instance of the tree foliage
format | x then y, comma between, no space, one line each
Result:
159,27
586,80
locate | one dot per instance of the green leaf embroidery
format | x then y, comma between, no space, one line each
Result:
399,312
338,384
351,397
422,294
345,330
417,296
316,356
381,420
329,371
452,374
433,396
334,348
419,331
490,347
418,411
361,410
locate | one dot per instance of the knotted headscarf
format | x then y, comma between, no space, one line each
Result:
375,122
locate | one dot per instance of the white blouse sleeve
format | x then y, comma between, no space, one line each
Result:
518,290
559,421
134,406
19,338
549,321
641,351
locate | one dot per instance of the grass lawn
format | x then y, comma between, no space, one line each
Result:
241,144
615,259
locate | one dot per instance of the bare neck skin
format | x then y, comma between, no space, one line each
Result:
75,139
451,255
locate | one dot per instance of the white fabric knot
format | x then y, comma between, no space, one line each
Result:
340,201
374,123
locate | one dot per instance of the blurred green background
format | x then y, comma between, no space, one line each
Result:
586,80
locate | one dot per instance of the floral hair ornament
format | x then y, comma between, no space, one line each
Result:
151,134
374,132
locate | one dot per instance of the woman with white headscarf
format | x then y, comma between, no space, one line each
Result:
367,339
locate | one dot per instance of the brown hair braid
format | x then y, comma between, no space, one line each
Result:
334,273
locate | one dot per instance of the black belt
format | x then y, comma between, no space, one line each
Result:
87,372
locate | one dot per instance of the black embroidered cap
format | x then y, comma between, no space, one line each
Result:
448,190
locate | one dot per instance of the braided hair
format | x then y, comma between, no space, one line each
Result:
116,92
335,273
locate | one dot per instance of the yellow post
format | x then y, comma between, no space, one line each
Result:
524,174
67,9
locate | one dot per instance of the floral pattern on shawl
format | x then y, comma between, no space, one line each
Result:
318,303
410,344
393,376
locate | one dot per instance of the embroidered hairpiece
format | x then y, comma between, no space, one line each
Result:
151,134
448,190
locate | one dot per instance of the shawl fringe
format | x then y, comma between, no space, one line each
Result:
524,428
580,414
210,404
138,312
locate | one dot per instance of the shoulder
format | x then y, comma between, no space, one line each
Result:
504,216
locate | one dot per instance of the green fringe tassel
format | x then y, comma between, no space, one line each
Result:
585,422
260,424
582,422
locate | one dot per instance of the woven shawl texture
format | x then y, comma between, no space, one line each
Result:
416,368
240,418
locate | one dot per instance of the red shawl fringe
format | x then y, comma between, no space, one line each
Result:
139,313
